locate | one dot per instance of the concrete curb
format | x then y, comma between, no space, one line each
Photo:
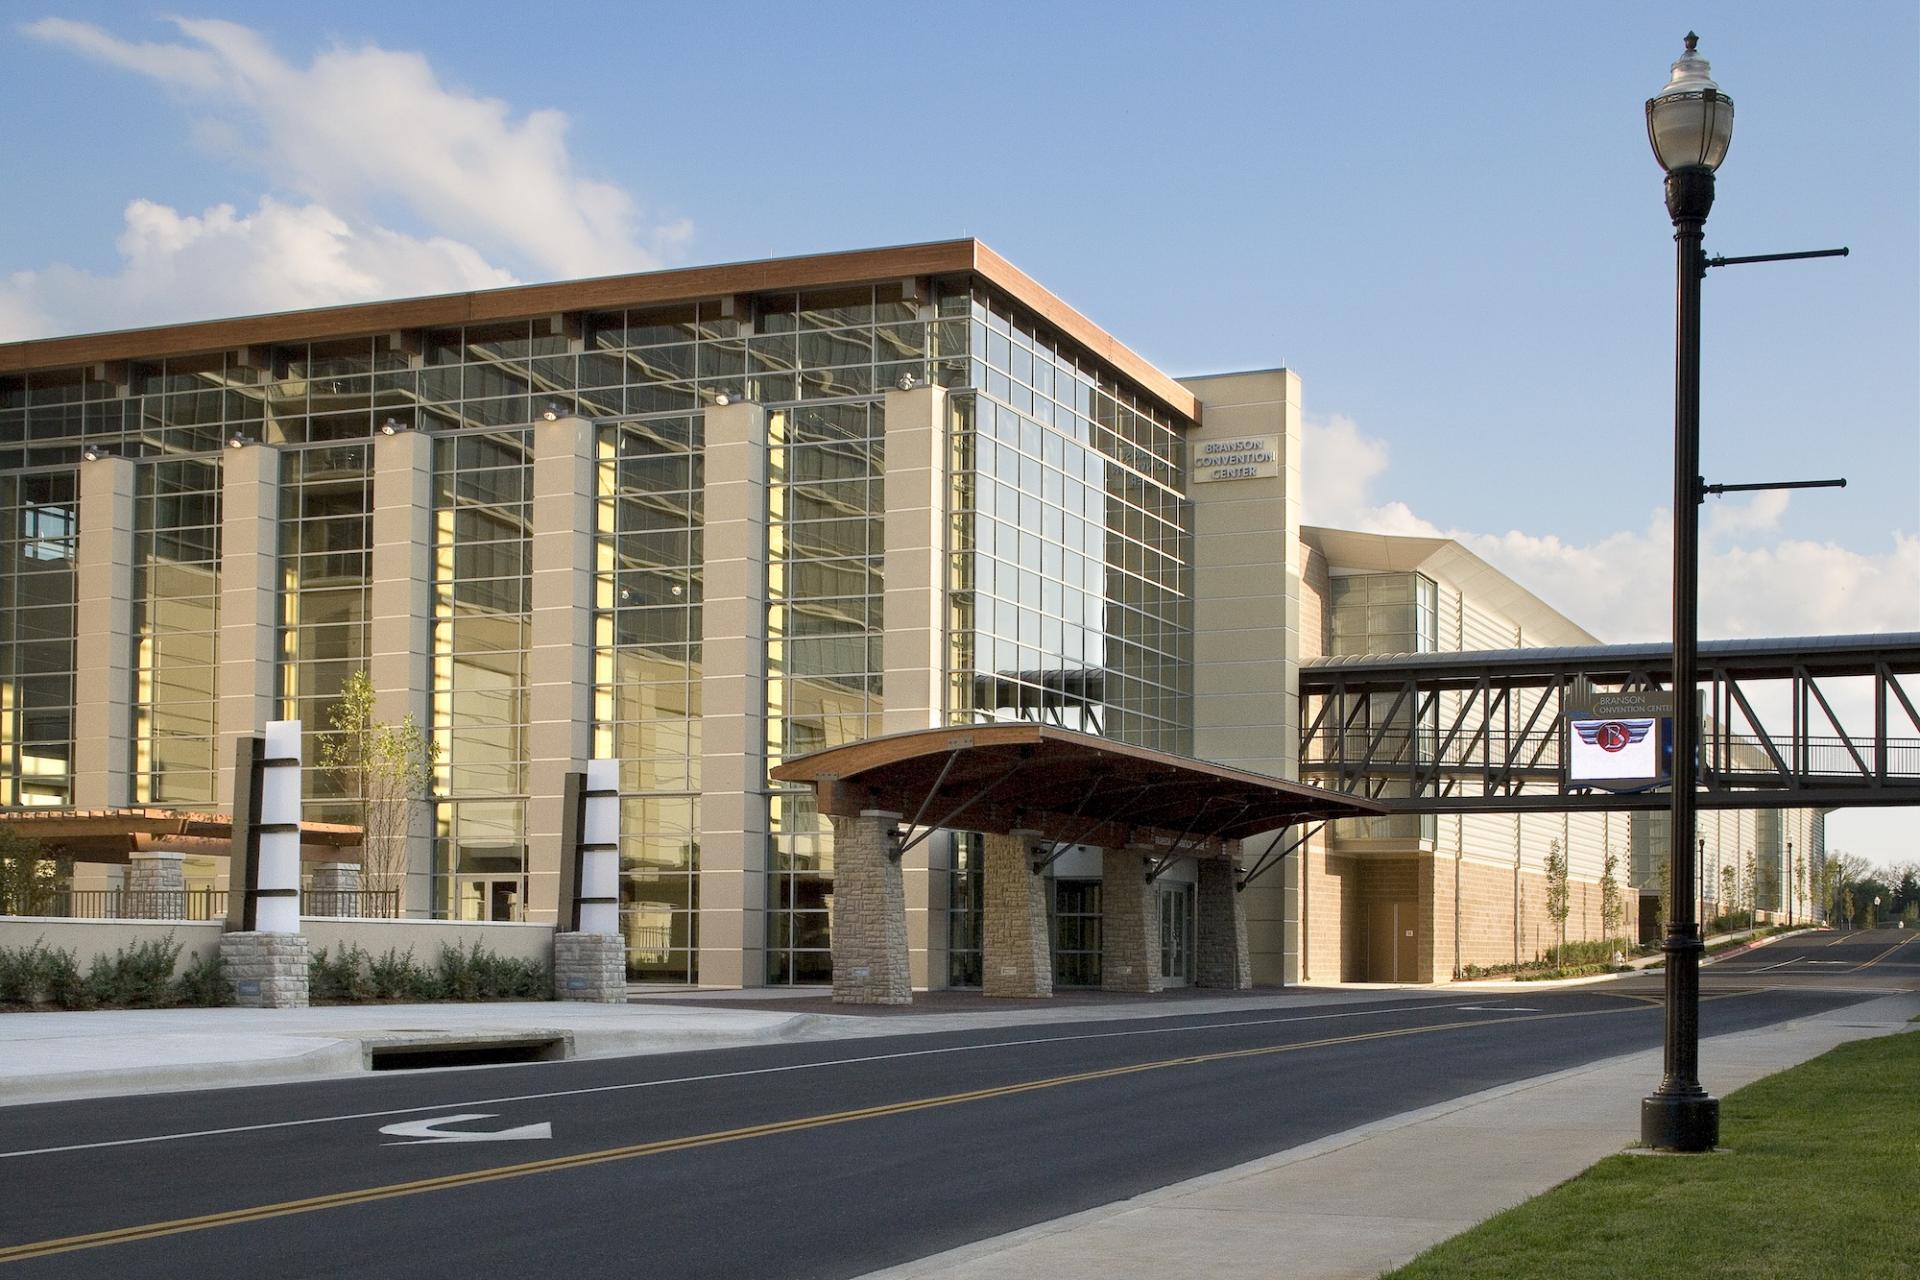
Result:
346,1055
330,1058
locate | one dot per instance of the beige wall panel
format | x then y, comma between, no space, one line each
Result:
733,700
103,636
560,662
401,629
249,601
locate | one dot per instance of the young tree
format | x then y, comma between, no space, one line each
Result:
384,769
29,879
1748,871
1729,891
1559,898
1613,908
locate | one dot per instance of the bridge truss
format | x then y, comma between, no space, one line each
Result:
1823,721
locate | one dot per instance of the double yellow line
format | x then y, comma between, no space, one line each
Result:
366,1195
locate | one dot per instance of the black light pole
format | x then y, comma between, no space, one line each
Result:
1689,124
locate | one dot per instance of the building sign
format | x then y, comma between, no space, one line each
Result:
1244,458
1618,737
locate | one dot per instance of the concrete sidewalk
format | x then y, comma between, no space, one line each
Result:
1365,1201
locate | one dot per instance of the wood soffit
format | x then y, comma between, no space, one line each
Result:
109,835
1066,786
945,257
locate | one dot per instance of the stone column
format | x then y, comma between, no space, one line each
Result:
914,683
334,889
1016,957
1129,924
1246,646
156,887
401,629
869,912
560,666
103,637
249,649
267,970
1222,946
590,966
733,700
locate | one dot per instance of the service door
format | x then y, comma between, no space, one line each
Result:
1393,943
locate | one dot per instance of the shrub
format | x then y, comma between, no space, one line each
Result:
60,980
19,974
342,977
137,977
203,984
396,977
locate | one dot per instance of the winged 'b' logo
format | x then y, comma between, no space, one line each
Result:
1613,735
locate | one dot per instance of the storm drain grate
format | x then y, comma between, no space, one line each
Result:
427,1054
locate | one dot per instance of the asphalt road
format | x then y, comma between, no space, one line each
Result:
820,1159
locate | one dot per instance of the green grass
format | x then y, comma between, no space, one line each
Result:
1822,1178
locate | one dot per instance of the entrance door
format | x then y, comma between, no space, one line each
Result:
1393,943
1176,934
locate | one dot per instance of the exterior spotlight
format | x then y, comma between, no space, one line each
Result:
390,427
906,382
551,413
93,453
237,441
723,399
676,589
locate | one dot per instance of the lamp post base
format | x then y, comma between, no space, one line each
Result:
1676,1122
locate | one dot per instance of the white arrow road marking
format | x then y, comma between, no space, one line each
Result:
424,1131
1496,1008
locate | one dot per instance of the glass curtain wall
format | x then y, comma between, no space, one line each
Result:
482,586
176,622
824,665
1069,573
39,537
647,663
1385,613
326,515
1070,567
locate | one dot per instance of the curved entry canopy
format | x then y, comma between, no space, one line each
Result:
1060,785
1036,791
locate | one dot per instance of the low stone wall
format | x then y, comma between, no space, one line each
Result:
90,938
428,937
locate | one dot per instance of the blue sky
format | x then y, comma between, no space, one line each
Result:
1444,215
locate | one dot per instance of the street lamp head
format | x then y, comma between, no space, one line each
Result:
1690,122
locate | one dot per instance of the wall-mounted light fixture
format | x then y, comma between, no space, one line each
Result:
237,441
94,452
551,413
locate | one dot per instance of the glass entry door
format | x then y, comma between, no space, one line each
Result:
1176,933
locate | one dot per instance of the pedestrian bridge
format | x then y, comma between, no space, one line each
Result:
1820,721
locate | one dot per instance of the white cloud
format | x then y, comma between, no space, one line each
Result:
352,131
222,262
1748,586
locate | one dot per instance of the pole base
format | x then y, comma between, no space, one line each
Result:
1671,1122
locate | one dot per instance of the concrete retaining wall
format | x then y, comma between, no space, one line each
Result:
428,937
90,938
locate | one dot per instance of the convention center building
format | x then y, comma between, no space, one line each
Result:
707,522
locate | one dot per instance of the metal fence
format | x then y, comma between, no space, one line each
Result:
189,904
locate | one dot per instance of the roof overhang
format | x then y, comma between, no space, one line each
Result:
519,302
1065,786
113,835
